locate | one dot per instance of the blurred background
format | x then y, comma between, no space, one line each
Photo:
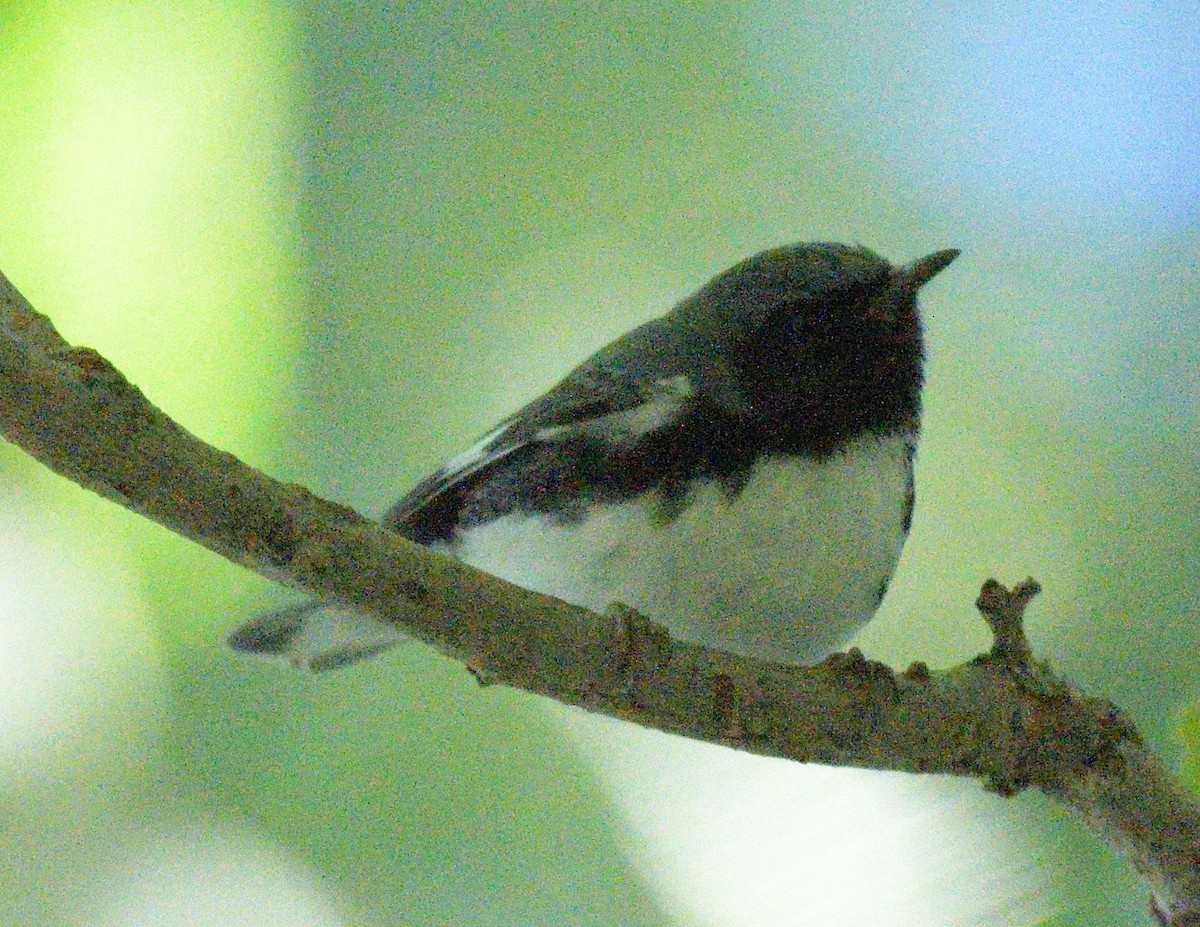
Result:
341,241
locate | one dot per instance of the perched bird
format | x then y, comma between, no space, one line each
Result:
740,470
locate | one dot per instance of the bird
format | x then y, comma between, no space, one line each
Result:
739,470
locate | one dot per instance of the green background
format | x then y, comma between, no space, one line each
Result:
340,242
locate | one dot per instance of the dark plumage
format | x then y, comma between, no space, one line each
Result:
762,382
788,360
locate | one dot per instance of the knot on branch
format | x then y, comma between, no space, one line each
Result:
1059,735
861,675
93,366
639,651
1004,611
872,691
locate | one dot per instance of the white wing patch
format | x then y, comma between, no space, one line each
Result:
476,454
663,405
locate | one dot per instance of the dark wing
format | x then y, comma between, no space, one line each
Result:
621,394
629,389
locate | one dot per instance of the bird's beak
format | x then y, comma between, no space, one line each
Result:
922,270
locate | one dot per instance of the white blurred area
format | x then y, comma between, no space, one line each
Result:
79,674
94,830
210,873
731,839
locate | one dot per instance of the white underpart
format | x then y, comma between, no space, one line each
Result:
787,569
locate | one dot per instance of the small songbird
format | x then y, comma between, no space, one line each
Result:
739,470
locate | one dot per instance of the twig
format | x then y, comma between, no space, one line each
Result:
1003,717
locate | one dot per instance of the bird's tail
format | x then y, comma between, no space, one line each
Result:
315,636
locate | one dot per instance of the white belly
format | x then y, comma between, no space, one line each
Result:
787,570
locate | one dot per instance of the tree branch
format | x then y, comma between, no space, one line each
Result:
1003,717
